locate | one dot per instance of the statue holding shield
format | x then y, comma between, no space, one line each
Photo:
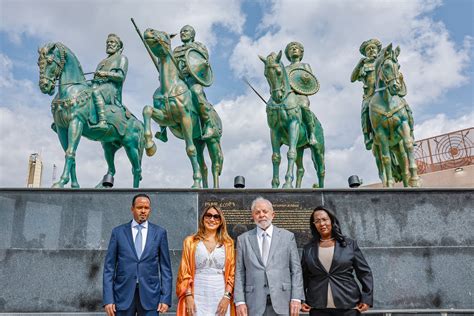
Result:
193,62
303,83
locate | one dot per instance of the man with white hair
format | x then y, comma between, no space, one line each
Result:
268,277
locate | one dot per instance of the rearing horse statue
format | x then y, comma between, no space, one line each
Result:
72,109
173,107
285,122
390,122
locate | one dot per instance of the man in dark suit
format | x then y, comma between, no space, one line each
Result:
268,278
137,268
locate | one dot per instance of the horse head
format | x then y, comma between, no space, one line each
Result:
276,76
158,41
51,61
387,69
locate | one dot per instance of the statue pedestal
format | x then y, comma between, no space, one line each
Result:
418,242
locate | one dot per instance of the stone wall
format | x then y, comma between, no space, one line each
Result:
418,242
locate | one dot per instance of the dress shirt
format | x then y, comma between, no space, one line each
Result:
144,232
269,232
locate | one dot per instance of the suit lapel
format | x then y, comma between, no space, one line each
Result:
254,244
149,237
128,235
335,257
275,241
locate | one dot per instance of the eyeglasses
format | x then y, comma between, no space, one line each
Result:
216,217
320,221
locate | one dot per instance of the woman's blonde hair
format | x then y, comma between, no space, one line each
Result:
222,235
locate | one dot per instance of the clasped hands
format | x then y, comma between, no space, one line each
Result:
221,307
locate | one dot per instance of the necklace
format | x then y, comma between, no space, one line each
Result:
329,239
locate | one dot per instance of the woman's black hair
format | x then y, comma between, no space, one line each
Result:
336,228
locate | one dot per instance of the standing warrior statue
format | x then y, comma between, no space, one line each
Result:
196,77
108,79
300,74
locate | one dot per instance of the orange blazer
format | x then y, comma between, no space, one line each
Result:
187,268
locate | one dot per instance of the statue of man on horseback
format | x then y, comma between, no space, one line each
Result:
108,79
387,120
193,62
364,71
301,78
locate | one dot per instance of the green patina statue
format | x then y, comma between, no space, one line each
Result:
180,102
387,120
108,79
93,111
290,120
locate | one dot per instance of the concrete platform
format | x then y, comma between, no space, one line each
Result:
418,242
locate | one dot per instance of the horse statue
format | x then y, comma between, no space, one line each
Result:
73,112
285,122
388,111
174,107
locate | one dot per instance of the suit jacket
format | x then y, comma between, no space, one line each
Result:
281,278
122,268
345,291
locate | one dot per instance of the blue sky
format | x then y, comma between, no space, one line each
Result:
435,37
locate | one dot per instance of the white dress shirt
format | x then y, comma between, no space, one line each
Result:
144,232
260,231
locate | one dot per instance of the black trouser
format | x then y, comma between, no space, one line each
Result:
333,312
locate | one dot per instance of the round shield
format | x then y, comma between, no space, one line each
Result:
199,67
303,81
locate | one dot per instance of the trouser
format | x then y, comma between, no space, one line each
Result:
269,311
333,312
136,308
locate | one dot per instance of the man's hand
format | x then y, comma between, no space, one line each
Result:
222,307
362,307
241,310
162,308
295,307
110,309
305,307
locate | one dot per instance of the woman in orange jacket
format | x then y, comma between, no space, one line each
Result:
206,273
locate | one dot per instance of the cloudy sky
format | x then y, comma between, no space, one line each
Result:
436,40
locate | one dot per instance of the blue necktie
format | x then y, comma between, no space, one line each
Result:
138,241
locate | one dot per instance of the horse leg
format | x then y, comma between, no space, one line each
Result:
408,143
74,136
63,139
187,128
133,154
402,157
109,153
317,155
386,159
293,132
217,158
378,161
200,145
276,157
74,183
150,146
299,166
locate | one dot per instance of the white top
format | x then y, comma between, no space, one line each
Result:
209,262
269,232
325,256
144,232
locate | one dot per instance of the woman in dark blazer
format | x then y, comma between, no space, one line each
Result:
328,262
